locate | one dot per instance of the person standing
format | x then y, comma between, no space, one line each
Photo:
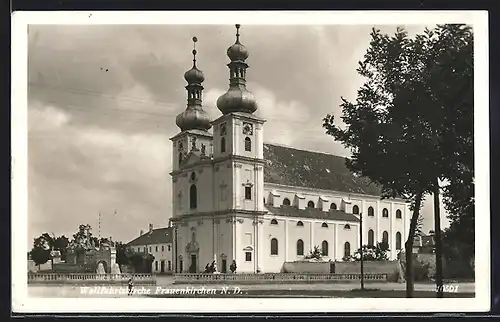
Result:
130,286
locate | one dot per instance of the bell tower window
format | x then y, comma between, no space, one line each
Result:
180,158
248,193
193,198
222,145
248,144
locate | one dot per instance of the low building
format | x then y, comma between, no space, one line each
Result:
157,242
424,244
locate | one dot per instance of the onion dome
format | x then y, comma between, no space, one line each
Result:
237,98
237,52
194,117
194,75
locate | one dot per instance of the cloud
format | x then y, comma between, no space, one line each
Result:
76,171
102,103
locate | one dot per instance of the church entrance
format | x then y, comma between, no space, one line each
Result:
192,249
181,268
162,268
193,267
223,268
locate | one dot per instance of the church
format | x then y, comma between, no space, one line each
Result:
236,198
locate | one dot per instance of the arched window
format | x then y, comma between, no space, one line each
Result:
300,247
398,214
300,223
385,213
398,240
324,225
347,226
333,206
274,246
385,237
371,238
371,213
324,248
274,222
193,198
310,204
180,158
222,145
286,202
248,144
347,249
355,210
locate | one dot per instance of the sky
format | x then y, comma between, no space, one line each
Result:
102,101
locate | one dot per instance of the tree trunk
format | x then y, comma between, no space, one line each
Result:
409,246
438,243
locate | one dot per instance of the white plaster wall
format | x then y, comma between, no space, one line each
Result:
217,137
324,233
204,185
274,263
347,235
160,254
294,234
245,243
223,175
225,237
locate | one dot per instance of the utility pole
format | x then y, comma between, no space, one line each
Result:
99,231
361,242
52,252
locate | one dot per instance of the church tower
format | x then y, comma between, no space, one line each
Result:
239,163
238,136
191,148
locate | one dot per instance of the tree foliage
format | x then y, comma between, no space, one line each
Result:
314,254
410,125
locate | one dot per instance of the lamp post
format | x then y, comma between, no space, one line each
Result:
361,254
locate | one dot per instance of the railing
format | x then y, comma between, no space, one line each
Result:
90,278
276,277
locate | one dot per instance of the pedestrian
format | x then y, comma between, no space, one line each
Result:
130,286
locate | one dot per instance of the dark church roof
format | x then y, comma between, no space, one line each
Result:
300,168
156,236
292,211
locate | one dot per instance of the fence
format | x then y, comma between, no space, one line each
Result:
89,278
289,278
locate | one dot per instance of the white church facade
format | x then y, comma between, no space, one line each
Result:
260,205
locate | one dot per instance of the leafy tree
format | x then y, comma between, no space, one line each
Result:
371,253
83,237
385,138
315,253
420,226
40,255
402,129
61,244
42,245
123,253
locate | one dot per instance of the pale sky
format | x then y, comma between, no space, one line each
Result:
102,103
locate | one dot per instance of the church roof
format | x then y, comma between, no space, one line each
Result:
156,236
292,211
301,168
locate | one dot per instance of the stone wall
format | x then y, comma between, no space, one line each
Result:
306,267
391,268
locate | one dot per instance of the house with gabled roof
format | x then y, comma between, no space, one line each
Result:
159,243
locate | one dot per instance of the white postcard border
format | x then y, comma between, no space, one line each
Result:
23,303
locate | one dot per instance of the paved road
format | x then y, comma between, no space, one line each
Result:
166,283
